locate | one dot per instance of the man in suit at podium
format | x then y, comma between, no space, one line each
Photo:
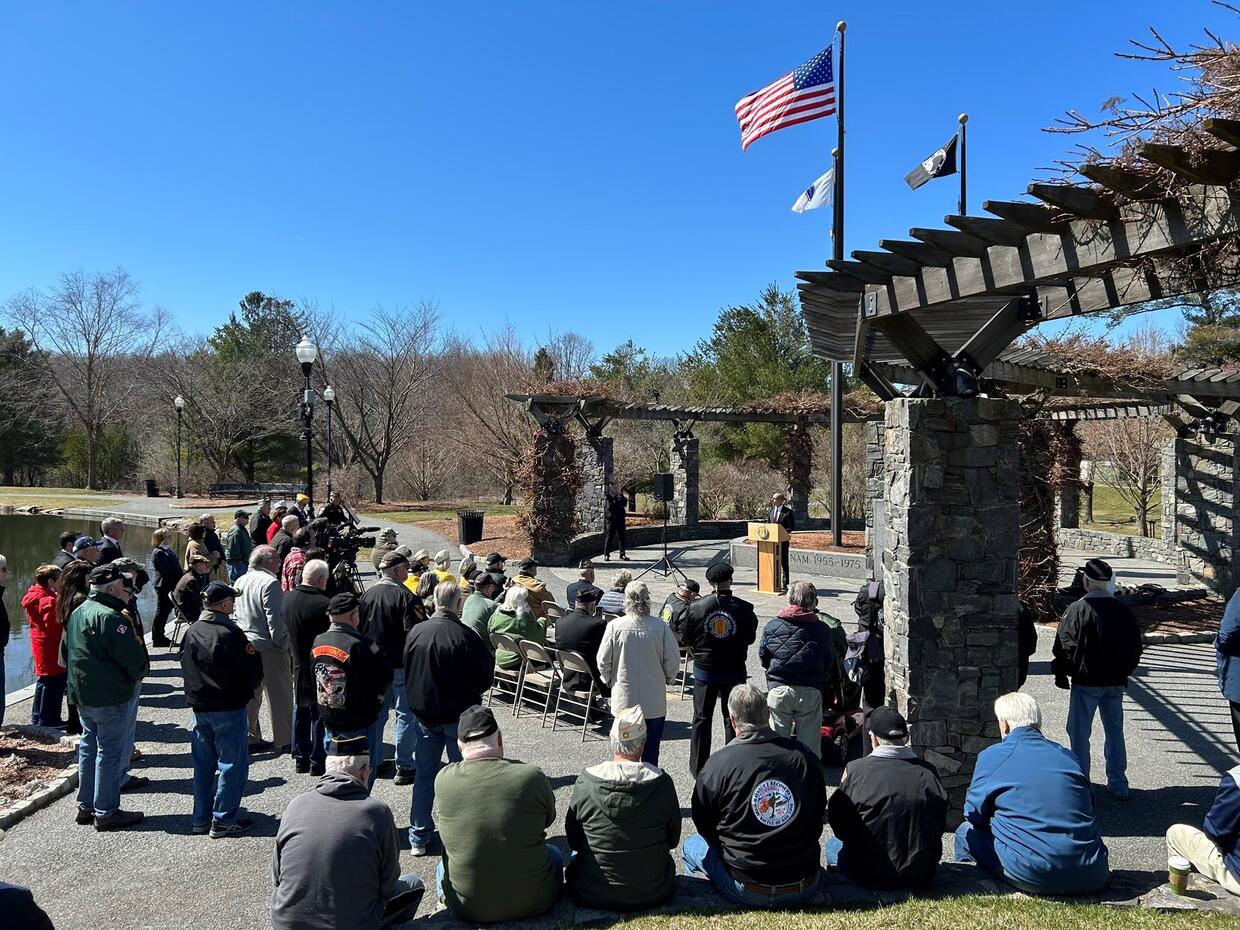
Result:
781,513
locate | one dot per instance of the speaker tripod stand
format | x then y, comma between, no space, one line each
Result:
666,565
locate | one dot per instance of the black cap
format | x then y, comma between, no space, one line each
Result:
489,578
348,746
690,585
526,564
341,604
719,573
886,723
105,574
589,595
216,592
241,513
393,558
1098,570
476,722
495,557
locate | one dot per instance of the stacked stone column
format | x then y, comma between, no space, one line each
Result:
1203,524
949,555
594,461
685,467
1068,502
875,497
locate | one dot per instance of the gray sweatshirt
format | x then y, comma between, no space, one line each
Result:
336,860
258,610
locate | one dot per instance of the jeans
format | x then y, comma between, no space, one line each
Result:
801,706
834,850
219,744
403,903
1083,701
49,691
103,755
557,867
699,856
309,745
428,750
705,694
398,699
374,744
654,736
235,571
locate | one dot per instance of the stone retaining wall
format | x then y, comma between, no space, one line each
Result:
1115,544
590,545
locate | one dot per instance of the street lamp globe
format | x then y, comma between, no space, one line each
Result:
306,351
178,402
328,394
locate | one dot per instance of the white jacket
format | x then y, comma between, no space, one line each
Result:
639,658
258,610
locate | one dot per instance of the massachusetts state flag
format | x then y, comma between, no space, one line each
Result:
798,97
817,194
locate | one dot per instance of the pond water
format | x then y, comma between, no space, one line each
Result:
30,541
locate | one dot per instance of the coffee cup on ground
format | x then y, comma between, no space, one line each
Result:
1177,873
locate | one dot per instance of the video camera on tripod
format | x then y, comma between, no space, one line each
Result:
343,545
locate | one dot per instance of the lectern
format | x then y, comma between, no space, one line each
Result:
768,536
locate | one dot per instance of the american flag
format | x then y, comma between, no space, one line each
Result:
798,97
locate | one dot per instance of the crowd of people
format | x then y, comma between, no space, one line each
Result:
333,668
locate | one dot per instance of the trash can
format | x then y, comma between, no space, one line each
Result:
468,526
151,489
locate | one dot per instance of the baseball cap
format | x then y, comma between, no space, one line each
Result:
216,592
393,558
105,574
1095,569
691,586
341,604
495,557
476,723
887,723
84,542
589,595
240,513
527,564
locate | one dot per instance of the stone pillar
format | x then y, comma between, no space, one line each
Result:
875,500
1068,502
594,462
1167,499
949,574
684,462
1205,518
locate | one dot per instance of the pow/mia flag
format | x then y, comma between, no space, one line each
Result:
938,165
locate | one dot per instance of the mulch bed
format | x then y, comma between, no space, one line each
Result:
821,542
1195,616
28,764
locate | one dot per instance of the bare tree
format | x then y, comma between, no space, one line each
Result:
425,471
571,355
93,330
380,369
1128,453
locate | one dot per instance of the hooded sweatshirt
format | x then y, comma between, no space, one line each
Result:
336,859
621,822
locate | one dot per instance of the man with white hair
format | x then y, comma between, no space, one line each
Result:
1098,646
494,813
110,545
1029,813
282,541
758,807
387,617
447,669
337,857
107,662
305,618
621,823
260,614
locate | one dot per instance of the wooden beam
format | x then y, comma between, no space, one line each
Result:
877,383
1032,216
832,281
1010,321
1079,201
886,262
1132,184
949,240
921,350
1227,130
921,252
1208,166
1001,232
867,273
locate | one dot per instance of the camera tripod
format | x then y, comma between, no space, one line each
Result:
666,565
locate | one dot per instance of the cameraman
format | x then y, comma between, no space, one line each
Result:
337,512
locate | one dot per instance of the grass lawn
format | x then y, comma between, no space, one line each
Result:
48,498
969,913
1113,514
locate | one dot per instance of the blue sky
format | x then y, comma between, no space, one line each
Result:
561,165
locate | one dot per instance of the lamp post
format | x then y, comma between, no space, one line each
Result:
329,398
306,354
179,403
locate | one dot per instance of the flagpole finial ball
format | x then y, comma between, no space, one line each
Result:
963,118
841,26
835,153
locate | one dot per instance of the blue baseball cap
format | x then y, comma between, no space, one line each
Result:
83,543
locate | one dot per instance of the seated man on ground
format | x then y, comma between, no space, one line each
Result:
758,806
623,819
1215,850
889,812
1029,813
493,819
337,856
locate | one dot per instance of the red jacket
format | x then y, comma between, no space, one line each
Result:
271,531
45,630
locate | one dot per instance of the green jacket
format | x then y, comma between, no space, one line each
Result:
238,544
107,658
519,626
476,614
622,821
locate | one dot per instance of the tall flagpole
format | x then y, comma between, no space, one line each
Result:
964,163
837,252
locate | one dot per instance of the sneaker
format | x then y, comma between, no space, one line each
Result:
135,783
118,821
200,829
85,817
403,776
420,849
236,828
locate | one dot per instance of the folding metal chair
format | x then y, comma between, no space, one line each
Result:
538,675
686,658
580,703
507,680
553,611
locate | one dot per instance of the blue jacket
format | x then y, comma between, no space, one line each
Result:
1227,649
1222,823
1029,793
798,649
